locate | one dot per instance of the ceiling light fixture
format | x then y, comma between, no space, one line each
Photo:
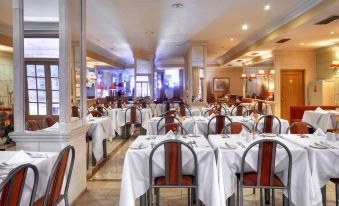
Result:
178,45
244,27
177,6
231,39
332,32
302,43
267,7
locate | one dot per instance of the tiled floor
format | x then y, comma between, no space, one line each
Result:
104,187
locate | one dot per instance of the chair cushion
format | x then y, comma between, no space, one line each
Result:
39,202
250,179
185,180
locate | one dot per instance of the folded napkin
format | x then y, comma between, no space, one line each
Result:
20,157
91,108
170,135
319,132
318,109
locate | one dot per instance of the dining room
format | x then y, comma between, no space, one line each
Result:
175,102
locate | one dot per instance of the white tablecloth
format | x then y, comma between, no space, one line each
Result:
101,128
320,119
160,109
229,160
44,166
119,118
249,105
324,163
135,175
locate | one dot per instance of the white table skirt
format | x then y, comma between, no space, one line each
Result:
229,160
119,120
324,163
320,119
44,166
100,128
135,175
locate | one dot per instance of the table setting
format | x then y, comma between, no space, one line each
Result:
44,162
229,150
135,179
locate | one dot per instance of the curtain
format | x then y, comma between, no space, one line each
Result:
196,79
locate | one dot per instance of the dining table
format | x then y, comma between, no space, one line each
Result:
323,119
135,174
44,161
229,150
323,156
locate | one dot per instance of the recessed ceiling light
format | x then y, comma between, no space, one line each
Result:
332,32
244,27
267,7
231,39
178,45
177,6
302,43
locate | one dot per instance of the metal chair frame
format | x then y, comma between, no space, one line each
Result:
225,129
207,112
186,106
164,105
51,177
163,118
209,122
308,125
194,186
10,179
235,108
242,167
265,117
221,108
183,130
136,122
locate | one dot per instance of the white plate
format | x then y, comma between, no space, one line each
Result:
268,135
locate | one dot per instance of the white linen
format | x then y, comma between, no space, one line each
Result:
229,160
20,157
135,175
160,109
324,163
322,119
100,129
44,166
250,106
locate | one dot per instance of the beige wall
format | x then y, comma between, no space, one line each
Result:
236,84
324,58
305,60
6,76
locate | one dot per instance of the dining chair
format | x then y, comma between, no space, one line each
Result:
53,195
175,127
133,118
11,188
261,107
183,108
32,125
336,182
49,121
220,121
220,108
209,112
239,110
268,124
167,120
173,176
235,128
300,128
264,177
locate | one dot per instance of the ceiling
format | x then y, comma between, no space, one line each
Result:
124,29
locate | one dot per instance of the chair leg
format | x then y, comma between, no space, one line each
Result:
253,191
197,201
267,196
66,200
150,197
189,196
238,191
157,196
261,202
241,198
323,193
273,198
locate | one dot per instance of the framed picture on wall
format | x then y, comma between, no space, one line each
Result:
221,84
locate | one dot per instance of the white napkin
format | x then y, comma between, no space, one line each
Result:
91,108
90,116
244,133
20,157
318,109
319,132
170,135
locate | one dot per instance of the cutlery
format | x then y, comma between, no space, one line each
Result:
152,145
195,143
241,144
328,145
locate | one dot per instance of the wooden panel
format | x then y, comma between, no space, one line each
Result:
292,90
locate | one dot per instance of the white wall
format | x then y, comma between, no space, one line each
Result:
303,59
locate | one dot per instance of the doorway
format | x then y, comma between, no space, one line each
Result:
292,90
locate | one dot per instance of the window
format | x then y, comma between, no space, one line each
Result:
42,89
142,86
